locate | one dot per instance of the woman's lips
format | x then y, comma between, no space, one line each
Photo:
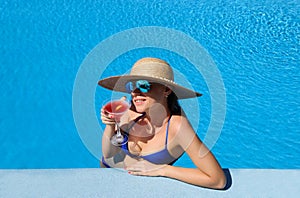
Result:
139,101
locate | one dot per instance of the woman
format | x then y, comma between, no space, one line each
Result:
158,131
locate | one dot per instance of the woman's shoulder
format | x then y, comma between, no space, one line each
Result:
181,132
179,123
178,120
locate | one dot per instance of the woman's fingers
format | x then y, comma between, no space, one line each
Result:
107,115
141,169
107,118
108,121
143,166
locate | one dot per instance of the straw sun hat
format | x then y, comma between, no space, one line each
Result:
153,70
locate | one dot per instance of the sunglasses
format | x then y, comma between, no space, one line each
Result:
143,85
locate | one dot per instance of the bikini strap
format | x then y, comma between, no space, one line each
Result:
167,131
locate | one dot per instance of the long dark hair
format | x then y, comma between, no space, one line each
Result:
173,104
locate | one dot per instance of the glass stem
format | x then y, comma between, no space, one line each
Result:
118,130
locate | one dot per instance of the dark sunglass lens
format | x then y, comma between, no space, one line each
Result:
143,85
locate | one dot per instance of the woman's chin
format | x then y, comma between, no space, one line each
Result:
140,110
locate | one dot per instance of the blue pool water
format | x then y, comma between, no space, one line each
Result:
255,47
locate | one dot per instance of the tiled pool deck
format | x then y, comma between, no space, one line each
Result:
117,183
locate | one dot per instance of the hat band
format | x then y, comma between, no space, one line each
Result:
153,69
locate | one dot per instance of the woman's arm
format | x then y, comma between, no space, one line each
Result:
108,149
208,172
213,177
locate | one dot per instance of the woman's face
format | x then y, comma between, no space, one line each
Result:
144,101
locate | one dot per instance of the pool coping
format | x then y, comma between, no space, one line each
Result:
100,182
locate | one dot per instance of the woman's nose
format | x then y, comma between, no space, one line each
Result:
136,91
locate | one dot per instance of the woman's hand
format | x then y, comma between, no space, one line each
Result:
145,168
107,118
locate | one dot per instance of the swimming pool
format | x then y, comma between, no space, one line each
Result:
255,46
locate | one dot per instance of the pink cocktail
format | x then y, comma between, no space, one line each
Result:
117,108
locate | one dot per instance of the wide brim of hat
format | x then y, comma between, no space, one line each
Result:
117,83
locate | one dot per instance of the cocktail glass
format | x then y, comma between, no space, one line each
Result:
117,108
